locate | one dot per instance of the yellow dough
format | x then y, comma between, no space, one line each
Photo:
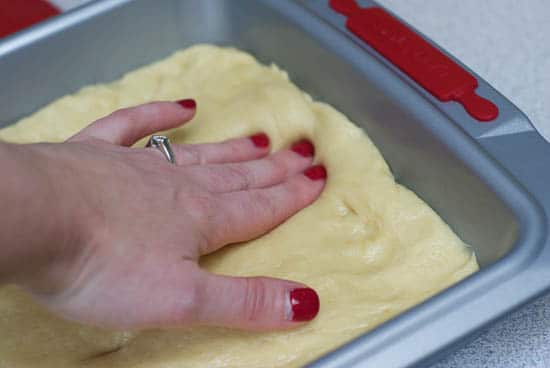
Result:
369,246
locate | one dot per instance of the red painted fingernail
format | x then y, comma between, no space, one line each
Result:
188,103
304,148
304,303
316,172
260,140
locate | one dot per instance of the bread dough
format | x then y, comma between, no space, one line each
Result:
369,246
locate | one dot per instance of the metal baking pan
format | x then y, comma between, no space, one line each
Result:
489,181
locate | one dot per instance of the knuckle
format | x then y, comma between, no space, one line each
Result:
277,168
191,155
240,176
123,116
265,205
299,191
153,111
256,299
215,181
210,221
150,112
235,149
201,206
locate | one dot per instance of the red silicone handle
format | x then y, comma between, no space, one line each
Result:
422,62
18,14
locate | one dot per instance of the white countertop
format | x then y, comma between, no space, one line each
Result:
506,42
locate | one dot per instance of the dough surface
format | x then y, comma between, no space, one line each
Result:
370,247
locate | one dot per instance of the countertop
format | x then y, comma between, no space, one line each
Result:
507,42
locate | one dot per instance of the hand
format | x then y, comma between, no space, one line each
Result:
133,226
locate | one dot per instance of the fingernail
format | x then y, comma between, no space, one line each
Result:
260,140
304,303
188,103
316,172
304,148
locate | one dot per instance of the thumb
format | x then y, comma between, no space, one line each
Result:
256,303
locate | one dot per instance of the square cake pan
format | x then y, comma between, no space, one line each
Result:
488,181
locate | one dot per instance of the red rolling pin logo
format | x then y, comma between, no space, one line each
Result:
422,62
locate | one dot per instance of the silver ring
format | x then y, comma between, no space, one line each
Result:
162,143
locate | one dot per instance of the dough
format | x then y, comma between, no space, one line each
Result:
368,245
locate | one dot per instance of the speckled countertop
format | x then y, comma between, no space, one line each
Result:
507,42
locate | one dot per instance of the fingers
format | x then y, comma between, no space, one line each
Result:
248,214
233,150
257,173
257,303
126,126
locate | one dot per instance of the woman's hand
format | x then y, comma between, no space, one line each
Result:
130,227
